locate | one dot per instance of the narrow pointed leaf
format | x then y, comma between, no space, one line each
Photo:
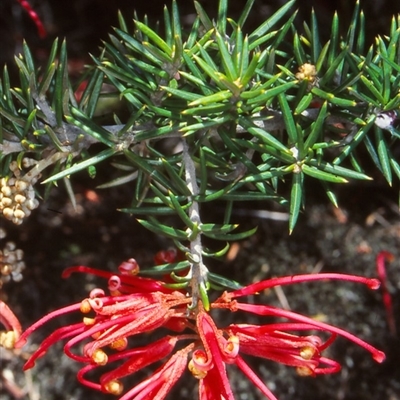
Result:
289,121
103,155
270,22
154,226
203,16
316,45
245,13
157,40
338,170
178,181
150,170
271,93
231,236
223,95
317,127
226,58
216,229
264,136
296,199
330,194
91,128
224,282
322,175
165,268
222,16
383,155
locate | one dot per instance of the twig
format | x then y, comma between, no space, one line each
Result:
198,269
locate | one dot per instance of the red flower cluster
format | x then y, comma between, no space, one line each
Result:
139,305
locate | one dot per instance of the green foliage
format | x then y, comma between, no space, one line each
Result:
261,111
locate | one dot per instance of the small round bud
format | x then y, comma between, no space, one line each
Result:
130,267
85,306
304,371
10,246
26,211
31,204
8,213
100,357
17,277
120,344
198,374
13,166
307,352
5,269
28,162
113,387
6,202
19,198
19,266
19,214
232,346
11,182
8,339
6,190
307,71
12,258
21,185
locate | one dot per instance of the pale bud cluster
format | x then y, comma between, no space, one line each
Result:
308,72
11,262
17,196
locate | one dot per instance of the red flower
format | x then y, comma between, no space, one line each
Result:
128,311
298,318
35,18
12,325
273,341
387,299
140,305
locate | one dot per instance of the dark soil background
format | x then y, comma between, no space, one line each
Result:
95,234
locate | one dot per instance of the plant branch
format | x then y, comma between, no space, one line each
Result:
198,270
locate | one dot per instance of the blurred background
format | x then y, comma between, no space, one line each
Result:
84,23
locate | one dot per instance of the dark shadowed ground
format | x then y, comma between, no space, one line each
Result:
345,240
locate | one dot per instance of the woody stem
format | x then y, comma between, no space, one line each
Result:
198,270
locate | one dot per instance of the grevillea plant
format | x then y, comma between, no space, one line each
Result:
213,113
